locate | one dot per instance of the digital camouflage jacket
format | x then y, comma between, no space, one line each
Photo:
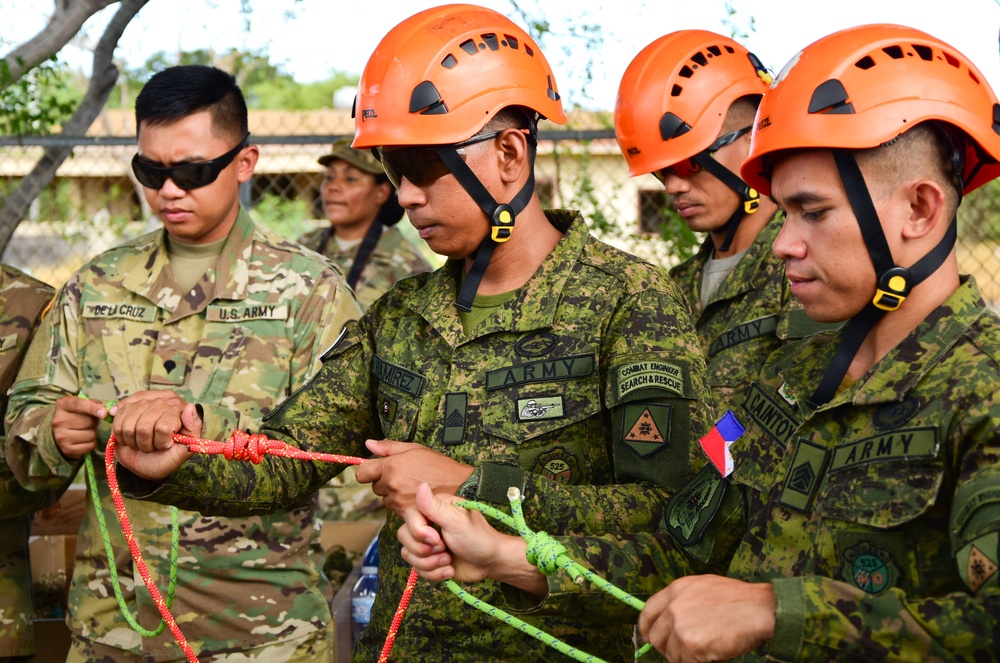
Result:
876,518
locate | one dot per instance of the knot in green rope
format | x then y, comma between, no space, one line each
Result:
544,552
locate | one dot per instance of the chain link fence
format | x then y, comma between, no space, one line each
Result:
95,203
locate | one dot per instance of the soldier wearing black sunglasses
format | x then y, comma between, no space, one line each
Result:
210,309
186,176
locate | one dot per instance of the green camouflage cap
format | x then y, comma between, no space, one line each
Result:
362,159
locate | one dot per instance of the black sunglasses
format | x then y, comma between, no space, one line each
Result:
187,176
422,165
688,167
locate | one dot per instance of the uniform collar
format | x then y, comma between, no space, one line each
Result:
534,305
154,280
750,273
903,367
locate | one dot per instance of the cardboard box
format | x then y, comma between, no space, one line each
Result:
63,517
354,535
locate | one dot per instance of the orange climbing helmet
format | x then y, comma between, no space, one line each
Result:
674,96
439,76
861,87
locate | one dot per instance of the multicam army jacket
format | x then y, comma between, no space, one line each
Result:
245,337
394,257
875,518
747,318
22,300
584,389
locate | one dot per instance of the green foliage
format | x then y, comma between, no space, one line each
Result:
40,101
265,84
979,214
736,31
576,32
683,242
289,218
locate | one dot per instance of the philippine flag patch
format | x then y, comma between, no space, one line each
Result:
716,444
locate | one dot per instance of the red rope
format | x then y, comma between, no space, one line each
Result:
239,446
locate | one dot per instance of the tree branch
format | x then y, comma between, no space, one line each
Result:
102,81
67,19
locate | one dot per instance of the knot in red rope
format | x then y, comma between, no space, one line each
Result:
243,446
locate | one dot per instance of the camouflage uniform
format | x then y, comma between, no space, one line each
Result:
562,391
876,518
394,257
22,300
747,318
247,335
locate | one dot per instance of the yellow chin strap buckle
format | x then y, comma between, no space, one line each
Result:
893,287
503,224
750,206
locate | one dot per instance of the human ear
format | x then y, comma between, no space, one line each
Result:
927,207
512,154
246,162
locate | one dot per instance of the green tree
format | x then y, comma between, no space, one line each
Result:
40,101
265,84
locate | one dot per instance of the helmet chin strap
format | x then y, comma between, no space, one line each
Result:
501,216
894,282
749,198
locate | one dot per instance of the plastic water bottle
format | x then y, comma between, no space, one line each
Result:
363,594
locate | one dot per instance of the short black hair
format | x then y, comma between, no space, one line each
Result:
177,92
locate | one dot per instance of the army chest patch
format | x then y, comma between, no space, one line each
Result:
531,409
769,414
557,464
742,333
901,444
397,376
245,313
137,312
549,370
870,567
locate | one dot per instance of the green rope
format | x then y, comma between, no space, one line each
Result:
113,568
548,556
109,551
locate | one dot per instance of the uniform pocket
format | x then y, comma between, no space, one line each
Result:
557,433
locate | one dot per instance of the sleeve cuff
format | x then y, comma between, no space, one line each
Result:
789,618
495,479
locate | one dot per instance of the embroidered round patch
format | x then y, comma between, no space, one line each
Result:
870,567
536,345
558,465
894,414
